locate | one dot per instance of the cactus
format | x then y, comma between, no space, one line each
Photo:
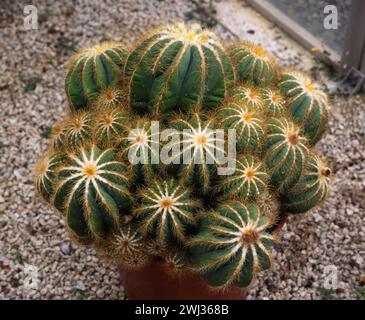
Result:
176,68
156,248
311,189
92,72
247,122
285,153
78,129
250,96
248,182
140,147
110,124
127,242
46,174
269,206
232,245
307,104
273,102
174,264
58,134
137,196
198,156
253,64
166,211
92,192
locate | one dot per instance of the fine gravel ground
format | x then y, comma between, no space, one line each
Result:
32,235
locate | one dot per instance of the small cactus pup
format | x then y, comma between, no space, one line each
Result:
200,150
58,134
274,103
127,247
252,64
175,264
247,121
110,125
92,192
232,245
93,75
311,189
78,129
250,95
139,146
248,182
46,174
176,68
167,211
285,153
307,104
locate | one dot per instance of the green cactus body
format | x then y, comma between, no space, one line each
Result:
311,189
141,148
285,153
174,264
111,97
274,103
93,71
200,148
177,68
46,174
269,206
78,129
92,192
189,212
251,96
307,104
248,182
232,245
58,135
166,211
110,126
246,121
127,241
155,248
252,64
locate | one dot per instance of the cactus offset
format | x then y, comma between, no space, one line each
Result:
253,64
78,129
92,72
92,192
110,124
274,103
46,174
178,67
250,95
285,153
58,134
248,182
247,122
232,245
307,104
311,189
166,211
140,147
198,156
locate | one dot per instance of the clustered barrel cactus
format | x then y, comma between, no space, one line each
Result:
105,170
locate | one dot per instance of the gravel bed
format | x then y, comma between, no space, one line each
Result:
32,99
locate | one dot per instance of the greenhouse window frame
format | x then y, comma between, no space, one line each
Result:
353,54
